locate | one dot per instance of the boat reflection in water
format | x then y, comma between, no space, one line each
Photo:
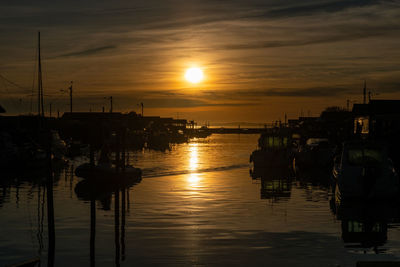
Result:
103,191
365,224
316,176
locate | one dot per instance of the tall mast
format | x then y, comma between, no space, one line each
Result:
365,92
39,75
70,97
40,83
111,104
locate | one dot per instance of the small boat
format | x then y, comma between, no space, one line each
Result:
106,171
101,190
364,171
202,132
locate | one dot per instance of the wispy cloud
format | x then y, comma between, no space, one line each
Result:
87,52
251,50
308,8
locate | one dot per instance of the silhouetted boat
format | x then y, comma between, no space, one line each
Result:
89,189
89,171
274,150
202,132
364,170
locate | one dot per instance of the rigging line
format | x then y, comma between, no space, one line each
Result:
11,101
13,83
58,101
14,102
55,99
58,97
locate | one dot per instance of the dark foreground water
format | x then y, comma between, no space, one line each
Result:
196,205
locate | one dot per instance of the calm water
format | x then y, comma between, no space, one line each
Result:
196,205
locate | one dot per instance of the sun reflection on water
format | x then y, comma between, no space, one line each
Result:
193,157
193,178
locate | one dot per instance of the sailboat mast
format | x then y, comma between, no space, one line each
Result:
70,97
40,83
39,70
365,92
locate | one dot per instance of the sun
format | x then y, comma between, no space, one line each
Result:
194,75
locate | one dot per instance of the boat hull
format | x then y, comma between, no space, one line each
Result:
99,172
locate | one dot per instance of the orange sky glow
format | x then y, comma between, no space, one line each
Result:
261,59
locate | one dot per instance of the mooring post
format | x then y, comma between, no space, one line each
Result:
123,149
91,155
92,231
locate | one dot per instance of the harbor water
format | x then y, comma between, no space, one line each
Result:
197,204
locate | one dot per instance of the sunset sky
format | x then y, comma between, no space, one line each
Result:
260,58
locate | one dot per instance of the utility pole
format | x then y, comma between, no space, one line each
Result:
70,97
50,111
141,103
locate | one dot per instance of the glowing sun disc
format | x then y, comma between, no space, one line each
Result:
194,75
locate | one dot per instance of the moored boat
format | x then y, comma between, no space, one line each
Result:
274,150
100,171
364,171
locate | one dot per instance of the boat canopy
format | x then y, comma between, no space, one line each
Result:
273,142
